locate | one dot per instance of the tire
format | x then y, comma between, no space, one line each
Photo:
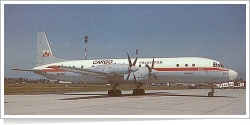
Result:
138,92
210,94
141,91
118,93
114,93
135,92
111,93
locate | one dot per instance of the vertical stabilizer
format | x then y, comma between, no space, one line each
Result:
44,54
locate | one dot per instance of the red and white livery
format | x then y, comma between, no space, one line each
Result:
122,71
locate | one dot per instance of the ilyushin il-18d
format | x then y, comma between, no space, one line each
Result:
126,71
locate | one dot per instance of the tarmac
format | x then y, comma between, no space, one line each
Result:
188,103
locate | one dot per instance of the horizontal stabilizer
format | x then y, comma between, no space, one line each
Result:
17,69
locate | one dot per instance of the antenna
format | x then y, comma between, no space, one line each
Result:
136,53
86,40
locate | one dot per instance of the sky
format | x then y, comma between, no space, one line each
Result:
216,31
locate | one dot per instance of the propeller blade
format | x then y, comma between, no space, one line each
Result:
153,63
134,78
135,62
149,69
155,77
129,60
127,76
132,67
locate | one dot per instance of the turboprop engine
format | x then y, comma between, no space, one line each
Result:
143,73
116,68
119,68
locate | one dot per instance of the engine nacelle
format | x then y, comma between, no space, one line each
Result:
141,74
131,77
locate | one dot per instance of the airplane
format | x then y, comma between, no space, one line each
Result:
123,71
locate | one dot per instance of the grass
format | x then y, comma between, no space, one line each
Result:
61,88
48,88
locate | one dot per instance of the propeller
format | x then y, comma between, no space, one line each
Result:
151,70
132,67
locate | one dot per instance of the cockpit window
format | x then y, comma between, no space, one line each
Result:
221,65
214,64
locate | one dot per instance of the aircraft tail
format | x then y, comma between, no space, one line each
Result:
44,53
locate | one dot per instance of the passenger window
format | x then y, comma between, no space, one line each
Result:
186,65
177,65
193,65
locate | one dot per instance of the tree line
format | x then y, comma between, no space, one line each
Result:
24,80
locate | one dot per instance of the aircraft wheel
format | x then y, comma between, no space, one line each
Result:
138,92
111,92
210,94
114,93
118,93
135,92
141,91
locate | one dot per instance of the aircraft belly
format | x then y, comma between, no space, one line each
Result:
72,77
162,77
191,77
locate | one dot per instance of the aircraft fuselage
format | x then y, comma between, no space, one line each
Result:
169,70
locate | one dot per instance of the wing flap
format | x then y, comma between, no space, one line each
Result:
90,72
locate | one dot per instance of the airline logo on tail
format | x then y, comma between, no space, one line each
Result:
45,53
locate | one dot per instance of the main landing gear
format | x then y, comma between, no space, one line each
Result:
211,94
138,91
113,92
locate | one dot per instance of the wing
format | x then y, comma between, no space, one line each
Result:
90,72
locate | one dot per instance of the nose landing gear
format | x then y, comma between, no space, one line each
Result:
211,94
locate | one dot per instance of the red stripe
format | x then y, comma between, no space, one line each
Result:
53,70
190,69
161,69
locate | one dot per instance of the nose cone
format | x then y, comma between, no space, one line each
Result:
232,74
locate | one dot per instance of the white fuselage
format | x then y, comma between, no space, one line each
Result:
169,70
121,71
